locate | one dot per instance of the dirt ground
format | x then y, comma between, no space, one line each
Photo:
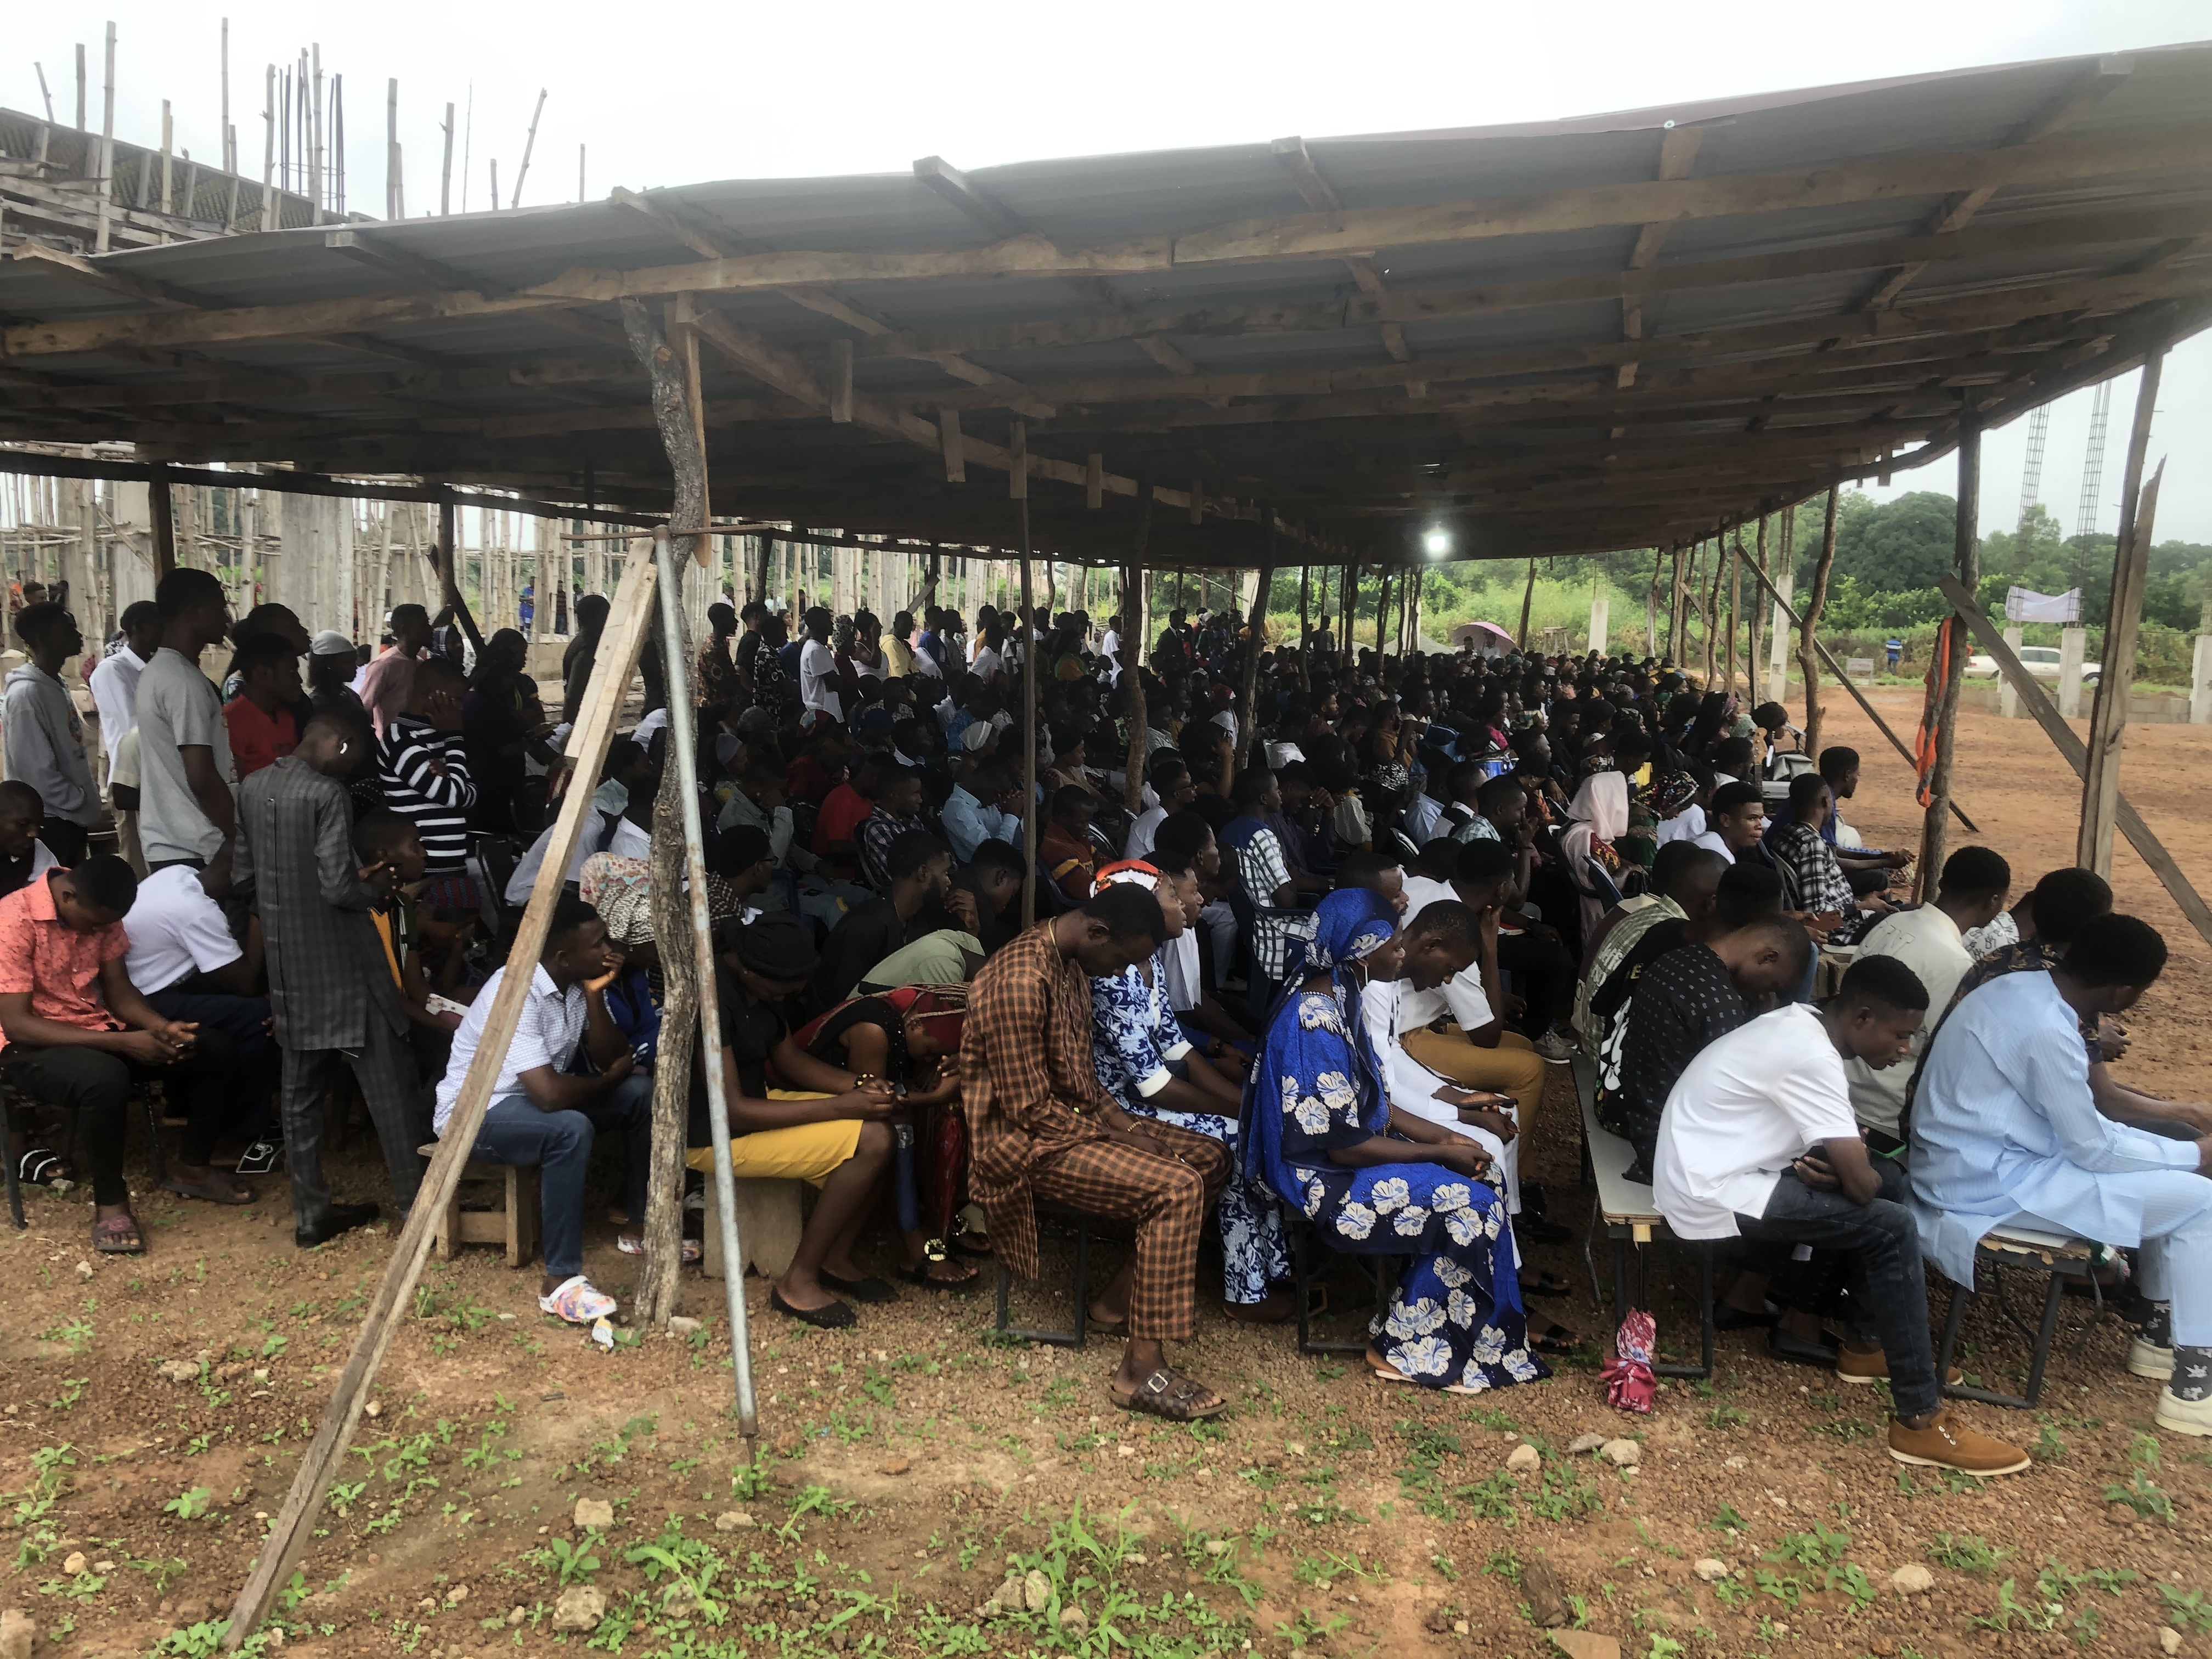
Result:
909,1466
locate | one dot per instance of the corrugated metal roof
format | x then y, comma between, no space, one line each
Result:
1738,393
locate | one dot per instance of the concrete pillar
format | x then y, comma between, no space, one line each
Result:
1778,668
1601,615
2200,683
2008,699
2070,642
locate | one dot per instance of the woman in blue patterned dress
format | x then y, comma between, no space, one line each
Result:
1323,1136
1146,1064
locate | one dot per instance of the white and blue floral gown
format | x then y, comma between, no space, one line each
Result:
1455,1319
1138,1045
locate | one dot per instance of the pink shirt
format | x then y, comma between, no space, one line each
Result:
386,685
58,965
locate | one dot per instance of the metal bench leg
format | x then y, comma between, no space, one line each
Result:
1620,1303
1953,1320
8,1156
1589,1252
1067,1339
1705,1309
2041,1357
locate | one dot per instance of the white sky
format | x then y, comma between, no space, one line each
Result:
683,93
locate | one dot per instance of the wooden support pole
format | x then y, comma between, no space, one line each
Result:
955,454
2076,754
1256,625
1382,614
161,513
1943,696
291,1533
1810,651
1804,624
1030,645
841,381
2108,714
1734,602
1094,480
1305,633
1133,642
1527,599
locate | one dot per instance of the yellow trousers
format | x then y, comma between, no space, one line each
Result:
1513,1067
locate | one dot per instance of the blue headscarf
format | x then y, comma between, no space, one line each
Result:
1351,923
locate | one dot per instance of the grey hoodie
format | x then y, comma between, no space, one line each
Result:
44,744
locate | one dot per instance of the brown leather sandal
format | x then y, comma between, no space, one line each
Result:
1165,1394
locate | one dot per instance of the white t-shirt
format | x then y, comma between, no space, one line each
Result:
549,1033
1685,825
114,686
1393,1007
1711,839
1145,826
629,842
1182,971
175,930
987,663
1741,1114
818,679
1927,941
656,721
179,707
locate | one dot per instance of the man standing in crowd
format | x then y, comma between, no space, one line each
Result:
187,809
44,738
424,768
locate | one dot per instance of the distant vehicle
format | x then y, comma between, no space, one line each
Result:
2040,660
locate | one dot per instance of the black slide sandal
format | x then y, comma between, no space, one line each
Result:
835,1317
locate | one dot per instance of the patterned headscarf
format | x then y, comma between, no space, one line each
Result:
621,891
1350,923
1129,873
1671,793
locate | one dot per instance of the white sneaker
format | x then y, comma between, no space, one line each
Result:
1555,1047
2183,1416
2146,1358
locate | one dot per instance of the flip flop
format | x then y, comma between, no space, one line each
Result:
117,1235
836,1316
217,1191
1391,1374
921,1276
40,1166
870,1289
1555,1340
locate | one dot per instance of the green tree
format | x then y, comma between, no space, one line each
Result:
1891,546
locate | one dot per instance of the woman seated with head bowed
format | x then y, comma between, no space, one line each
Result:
1321,1135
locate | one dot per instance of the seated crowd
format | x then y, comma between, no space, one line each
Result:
1301,963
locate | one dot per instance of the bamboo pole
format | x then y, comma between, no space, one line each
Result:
1809,649
1528,598
290,1534
1944,695
106,146
1734,602
1133,643
528,145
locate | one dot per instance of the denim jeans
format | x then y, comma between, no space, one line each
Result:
1889,1285
560,1144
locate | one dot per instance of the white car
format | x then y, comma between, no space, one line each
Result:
2040,660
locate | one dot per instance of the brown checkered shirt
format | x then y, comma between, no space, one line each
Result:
1028,1082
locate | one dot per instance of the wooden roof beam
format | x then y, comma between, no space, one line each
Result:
1678,154
1317,194
948,182
431,275
2109,75
145,289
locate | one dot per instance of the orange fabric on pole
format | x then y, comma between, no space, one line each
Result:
1923,741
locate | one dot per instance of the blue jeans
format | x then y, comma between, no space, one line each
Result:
1889,1286
560,1144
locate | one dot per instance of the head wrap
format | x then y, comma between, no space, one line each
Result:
1134,873
1671,793
621,891
978,736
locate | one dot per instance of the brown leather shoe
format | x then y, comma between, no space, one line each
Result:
1872,1368
1948,1443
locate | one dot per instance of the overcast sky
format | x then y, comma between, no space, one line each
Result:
679,93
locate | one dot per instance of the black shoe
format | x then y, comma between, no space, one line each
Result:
343,1219
1535,1229
1796,1351
1726,1318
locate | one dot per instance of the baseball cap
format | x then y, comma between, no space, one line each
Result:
330,643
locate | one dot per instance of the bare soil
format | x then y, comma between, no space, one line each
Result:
906,1464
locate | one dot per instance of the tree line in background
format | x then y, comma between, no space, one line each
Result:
1889,556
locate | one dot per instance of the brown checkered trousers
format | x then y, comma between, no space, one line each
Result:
1036,1125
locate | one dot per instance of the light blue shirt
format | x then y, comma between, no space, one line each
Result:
2003,1124
968,822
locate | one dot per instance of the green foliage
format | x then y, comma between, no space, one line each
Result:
188,1505
1966,1552
2187,1609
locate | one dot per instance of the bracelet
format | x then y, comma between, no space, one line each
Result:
865,1078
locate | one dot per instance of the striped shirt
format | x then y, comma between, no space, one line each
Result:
424,774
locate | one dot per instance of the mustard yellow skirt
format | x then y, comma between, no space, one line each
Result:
812,1152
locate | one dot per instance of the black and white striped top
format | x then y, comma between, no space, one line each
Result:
425,777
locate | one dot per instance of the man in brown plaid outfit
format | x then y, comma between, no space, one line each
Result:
1042,1127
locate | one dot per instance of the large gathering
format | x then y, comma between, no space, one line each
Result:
793,870
1305,962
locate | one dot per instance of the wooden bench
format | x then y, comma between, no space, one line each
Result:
514,1224
1630,1215
771,1217
2058,1257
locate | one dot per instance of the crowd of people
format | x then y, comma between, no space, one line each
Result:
1306,962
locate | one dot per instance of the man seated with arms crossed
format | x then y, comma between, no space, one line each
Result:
1042,1127
74,1033
2006,1130
543,1112
1975,880
1758,1142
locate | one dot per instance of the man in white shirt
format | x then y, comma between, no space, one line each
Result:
1976,883
1757,1140
1172,791
817,667
114,683
542,1112
188,811
1734,821
188,965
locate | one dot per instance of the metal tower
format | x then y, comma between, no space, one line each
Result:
2093,466
2031,477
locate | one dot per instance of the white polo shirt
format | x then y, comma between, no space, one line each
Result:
549,1033
175,930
